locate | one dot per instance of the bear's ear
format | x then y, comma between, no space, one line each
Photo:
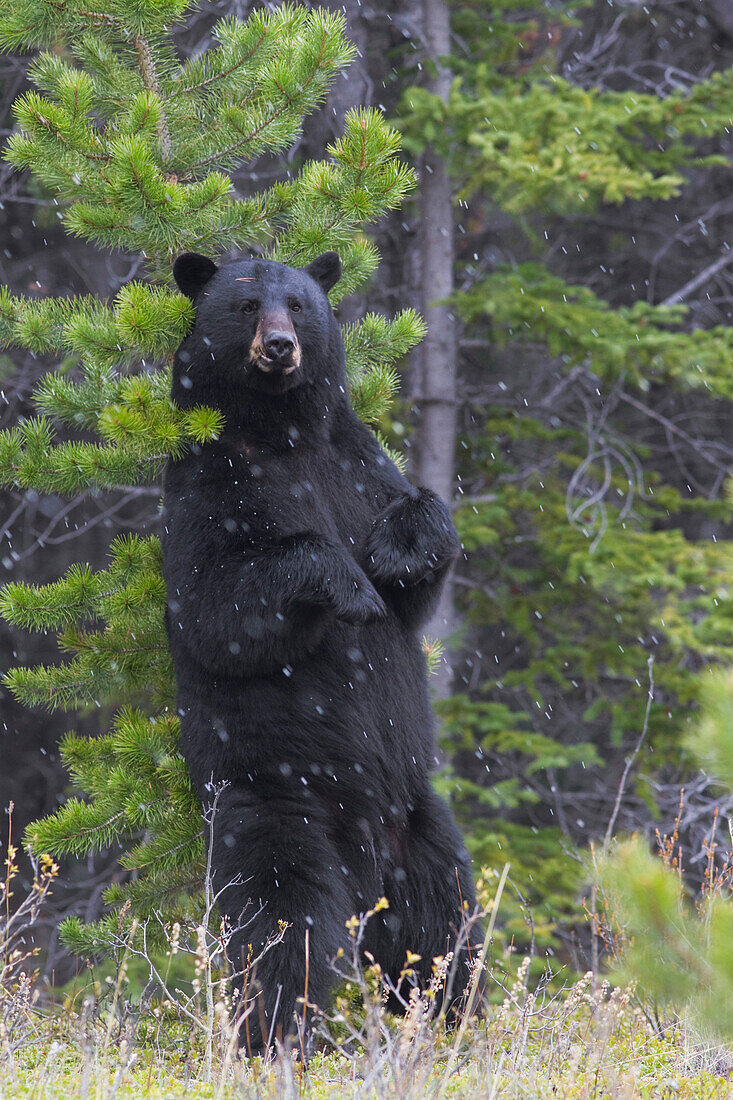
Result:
192,272
326,270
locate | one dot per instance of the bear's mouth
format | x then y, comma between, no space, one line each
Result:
272,366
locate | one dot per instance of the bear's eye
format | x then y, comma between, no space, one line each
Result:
249,306
295,305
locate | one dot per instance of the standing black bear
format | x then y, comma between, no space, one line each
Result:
299,565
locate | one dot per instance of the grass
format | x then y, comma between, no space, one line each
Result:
159,1025
589,1043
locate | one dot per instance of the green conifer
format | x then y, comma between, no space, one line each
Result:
582,559
136,146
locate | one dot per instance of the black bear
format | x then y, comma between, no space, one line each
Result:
300,565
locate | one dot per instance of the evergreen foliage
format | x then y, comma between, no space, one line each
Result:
582,555
136,147
675,935
677,946
585,550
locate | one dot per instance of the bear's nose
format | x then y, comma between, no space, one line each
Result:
278,345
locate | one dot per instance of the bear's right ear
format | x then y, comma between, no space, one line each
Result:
326,270
192,272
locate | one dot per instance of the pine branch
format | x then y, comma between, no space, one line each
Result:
150,79
137,147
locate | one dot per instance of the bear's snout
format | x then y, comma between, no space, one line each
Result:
279,345
275,348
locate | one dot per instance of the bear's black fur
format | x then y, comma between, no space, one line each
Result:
300,565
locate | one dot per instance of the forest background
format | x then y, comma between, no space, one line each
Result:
568,245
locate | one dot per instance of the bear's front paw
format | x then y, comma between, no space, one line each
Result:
354,597
412,538
364,606
343,588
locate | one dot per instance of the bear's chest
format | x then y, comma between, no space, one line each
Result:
305,489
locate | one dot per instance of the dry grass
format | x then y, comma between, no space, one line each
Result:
170,1037
586,1044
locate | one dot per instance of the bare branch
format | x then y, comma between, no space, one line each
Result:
699,280
632,758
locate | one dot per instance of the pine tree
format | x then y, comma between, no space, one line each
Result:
676,940
136,147
577,567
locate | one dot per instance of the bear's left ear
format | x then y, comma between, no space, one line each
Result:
326,270
192,272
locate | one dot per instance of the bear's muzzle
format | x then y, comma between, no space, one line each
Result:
275,348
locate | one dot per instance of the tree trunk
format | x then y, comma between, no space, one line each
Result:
435,441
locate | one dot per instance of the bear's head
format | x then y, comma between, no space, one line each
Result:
262,329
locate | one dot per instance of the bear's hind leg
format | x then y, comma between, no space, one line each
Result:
273,862
432,908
